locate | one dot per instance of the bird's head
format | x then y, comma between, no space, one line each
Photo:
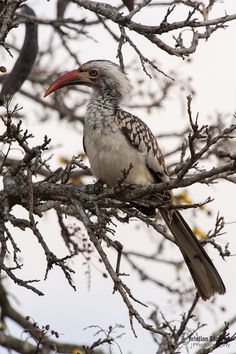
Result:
101,75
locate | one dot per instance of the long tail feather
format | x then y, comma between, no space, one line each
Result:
205,276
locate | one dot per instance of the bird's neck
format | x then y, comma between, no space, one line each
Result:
102,108
106,98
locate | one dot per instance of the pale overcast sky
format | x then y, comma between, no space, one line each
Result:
68,312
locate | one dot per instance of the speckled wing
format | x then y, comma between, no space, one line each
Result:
203,271
140,137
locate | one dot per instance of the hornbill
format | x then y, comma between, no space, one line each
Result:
114,139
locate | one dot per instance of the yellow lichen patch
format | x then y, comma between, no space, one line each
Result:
76,180
2,326
179,265
199,232
82,155
77,351
183,198
63,160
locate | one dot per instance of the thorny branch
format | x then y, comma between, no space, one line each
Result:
7,12
45,339
84,201
151,32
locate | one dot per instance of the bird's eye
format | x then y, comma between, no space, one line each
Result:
93,72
